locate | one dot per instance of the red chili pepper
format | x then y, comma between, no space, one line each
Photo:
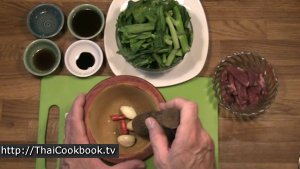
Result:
123,127
117,117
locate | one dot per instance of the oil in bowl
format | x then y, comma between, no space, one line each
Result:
42,57
44,60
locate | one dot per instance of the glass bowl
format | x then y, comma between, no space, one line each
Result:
264,74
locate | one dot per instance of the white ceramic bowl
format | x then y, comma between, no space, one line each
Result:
73,54
187,69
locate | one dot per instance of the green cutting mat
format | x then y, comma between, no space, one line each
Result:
62,90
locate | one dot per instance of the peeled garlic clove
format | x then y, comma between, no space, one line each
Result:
126,140
128,112
129,126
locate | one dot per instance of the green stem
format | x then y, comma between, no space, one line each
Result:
171,57
158,60
180,30
138,28
172,31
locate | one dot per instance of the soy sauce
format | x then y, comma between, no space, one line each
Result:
86,23
85,60
44,59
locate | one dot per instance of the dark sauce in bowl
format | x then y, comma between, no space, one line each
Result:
86,23
85,61
44,60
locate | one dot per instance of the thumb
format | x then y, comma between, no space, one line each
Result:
131,164
158,139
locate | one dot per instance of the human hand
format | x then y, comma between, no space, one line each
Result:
192,147
75,133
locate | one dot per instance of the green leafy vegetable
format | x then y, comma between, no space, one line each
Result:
154,34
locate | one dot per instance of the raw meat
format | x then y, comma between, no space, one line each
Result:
242,87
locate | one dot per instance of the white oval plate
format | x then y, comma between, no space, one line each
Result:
190,66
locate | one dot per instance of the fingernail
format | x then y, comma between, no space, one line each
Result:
149,123
66,115
142,166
